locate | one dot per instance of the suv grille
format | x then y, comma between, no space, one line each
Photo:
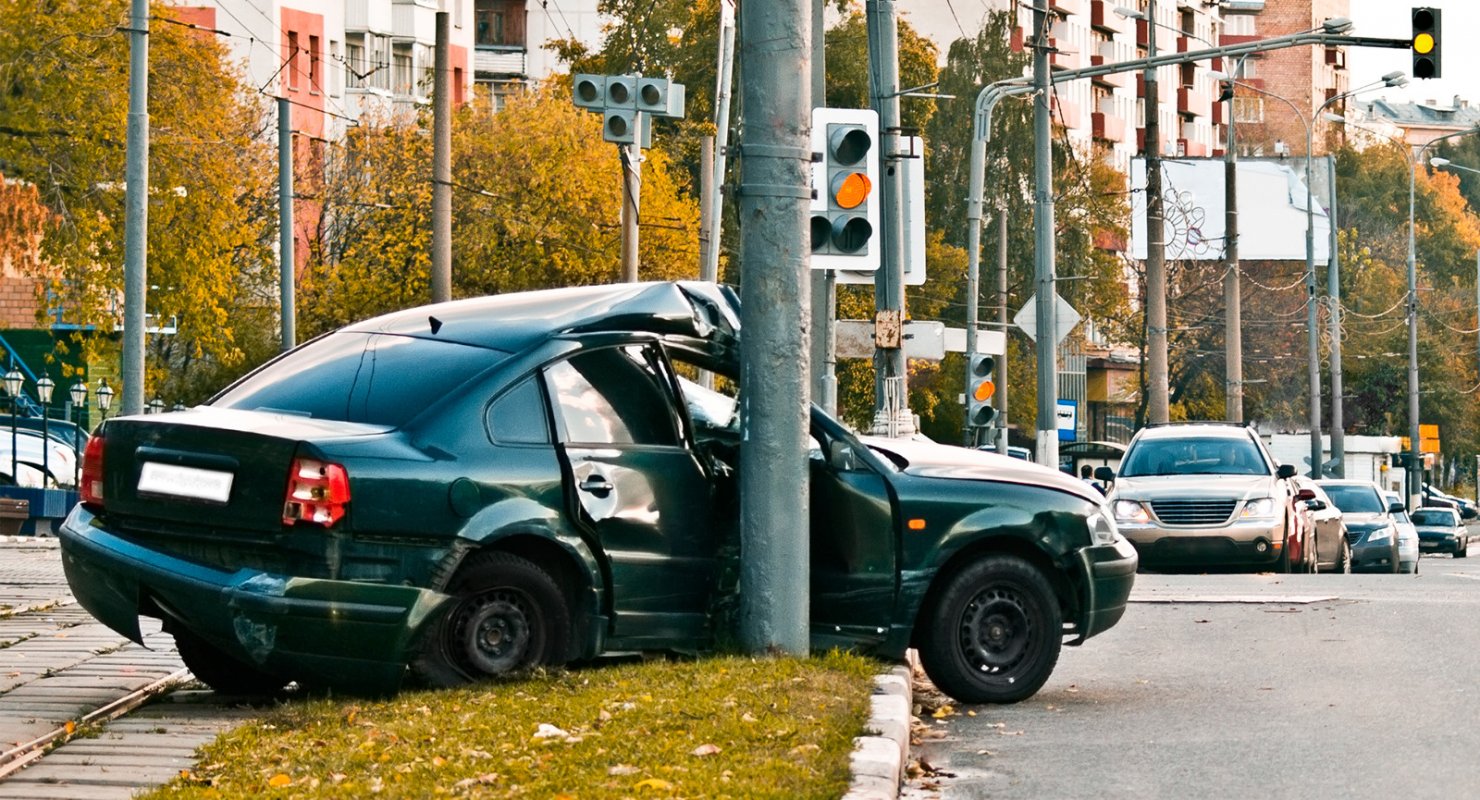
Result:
1193,512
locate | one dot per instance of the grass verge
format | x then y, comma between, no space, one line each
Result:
719,727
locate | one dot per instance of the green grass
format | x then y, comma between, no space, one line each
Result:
719,727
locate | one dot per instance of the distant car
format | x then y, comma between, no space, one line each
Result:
1330,552
1433,496
1370,527
1440,530
1200,495
1408,549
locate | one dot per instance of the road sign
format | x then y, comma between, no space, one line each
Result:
1027,318
1068,419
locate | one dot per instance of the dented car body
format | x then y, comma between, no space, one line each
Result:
473,488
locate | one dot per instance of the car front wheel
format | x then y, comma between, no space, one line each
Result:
993,632
509,616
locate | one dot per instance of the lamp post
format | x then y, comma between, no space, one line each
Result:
44,388
79,401
156,406
1313,333
14,380
105,398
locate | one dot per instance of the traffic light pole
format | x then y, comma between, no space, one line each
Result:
1043,250
631,155
891,389
824,281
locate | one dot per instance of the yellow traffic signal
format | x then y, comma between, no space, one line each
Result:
845,208
1425,47
979,390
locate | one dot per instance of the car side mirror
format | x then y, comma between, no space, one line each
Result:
1285,471
840,456
1305,494
1105,474
1315,505
1396,508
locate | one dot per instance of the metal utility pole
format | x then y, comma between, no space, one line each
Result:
1312,318
1233,299
136,210
775,198
891,387
824,281
999,399
1157,374
1333,297
631,155
1044,255
709,268
442,167
287,260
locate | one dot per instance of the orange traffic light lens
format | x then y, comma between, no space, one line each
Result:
982,392
1423,44
852,190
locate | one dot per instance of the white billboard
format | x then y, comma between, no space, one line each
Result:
1271,206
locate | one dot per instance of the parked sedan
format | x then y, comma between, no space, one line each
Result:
1408,549
1370,527
1330,550
1440,530
481,487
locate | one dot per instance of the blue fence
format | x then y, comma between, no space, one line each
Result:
48,507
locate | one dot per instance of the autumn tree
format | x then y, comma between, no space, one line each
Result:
63,70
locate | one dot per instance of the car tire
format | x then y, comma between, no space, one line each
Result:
1463,551
509,616
993,632
221,671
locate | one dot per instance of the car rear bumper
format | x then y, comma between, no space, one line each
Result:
1240,544
298,628
1109,572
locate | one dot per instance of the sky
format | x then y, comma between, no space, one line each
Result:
1460,55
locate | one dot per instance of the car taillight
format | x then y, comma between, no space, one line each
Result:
317,492
92,474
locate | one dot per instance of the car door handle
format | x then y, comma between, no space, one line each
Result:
597,485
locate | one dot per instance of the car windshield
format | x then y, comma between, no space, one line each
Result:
1355,498
1194,455
355,376
1441,517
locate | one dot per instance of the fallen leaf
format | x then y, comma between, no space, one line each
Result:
279,780
654,783
622,769
704,750
943,712
71,727
548,731
748,717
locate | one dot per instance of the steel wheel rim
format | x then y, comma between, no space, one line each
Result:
995,631
493,631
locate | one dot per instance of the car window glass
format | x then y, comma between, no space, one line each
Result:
616,395
1192,455
1355,499
518,416
1434,516
354,376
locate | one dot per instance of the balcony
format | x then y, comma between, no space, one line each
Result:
413,22
1191,149
1062,59
1225,41
364,16
499,61
1336,57
1102,17
1191,102
1114,80
1066,7
1107,127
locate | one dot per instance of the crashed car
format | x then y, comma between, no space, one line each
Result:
471,489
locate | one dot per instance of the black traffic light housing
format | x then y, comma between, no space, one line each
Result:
979,390
1425,45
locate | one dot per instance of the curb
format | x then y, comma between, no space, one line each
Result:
877,763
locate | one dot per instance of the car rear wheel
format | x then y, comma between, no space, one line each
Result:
221,671
993,632
509,616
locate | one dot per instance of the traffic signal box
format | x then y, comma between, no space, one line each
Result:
845,189
628,103
1425,46
979,390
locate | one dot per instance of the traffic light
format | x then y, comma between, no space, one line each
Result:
1425,47
979,390
845,189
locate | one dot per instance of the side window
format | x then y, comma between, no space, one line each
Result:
618,395
518,416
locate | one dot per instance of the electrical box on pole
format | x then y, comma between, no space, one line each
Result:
845,190
1425,48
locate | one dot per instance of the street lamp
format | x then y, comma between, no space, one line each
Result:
79,401
156,406
105,397
14,380
1313,335
44,388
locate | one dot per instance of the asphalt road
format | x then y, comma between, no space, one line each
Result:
1245,686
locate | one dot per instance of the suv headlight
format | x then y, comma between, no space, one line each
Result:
1130,511
1379,535
1261,508
1102,529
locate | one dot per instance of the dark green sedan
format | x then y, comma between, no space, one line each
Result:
475,488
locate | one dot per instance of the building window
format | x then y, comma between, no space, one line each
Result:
1239,25
336,82
404,77
315,83
354,65
1248,109
292,61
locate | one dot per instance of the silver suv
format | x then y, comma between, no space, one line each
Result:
1204,495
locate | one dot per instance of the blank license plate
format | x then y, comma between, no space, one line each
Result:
176,481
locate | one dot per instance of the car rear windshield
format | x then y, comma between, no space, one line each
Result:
355,376
1355,499
1434,516
1194,455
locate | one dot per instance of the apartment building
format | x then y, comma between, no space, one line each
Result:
1416,123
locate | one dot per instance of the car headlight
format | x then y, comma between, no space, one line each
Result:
1102,529
1379,535
1130,511
1260,508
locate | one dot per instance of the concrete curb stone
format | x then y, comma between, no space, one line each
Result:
878,760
